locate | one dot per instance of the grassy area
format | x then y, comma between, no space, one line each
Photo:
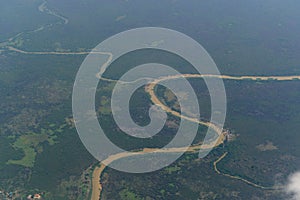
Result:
30,145
172,169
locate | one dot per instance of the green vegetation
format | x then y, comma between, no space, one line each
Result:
30,145
37,144
170,170
128,195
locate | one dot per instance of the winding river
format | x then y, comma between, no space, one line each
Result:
150,89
